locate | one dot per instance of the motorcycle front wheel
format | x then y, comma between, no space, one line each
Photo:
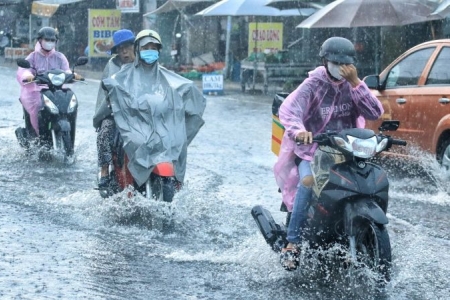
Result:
67,143
373,249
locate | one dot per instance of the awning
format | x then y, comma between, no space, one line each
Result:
171,5
10,2
58,1
47,8
43,10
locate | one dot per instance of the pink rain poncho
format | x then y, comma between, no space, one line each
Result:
317,105
29,93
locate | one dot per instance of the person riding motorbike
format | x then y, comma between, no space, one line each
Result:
157,112
43,58
103,121
332,98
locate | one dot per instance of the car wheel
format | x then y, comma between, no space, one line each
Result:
444,154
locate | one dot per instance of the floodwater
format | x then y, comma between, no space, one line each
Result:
60,239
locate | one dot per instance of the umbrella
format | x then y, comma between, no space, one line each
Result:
288,4
231,8
239,8
365,13
171,5
369,13
443,9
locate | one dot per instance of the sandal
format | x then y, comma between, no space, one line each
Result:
103,183
289,258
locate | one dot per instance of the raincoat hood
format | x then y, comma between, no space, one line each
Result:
158,113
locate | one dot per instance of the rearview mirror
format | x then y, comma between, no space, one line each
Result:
23,63
372,82
391,125
82,60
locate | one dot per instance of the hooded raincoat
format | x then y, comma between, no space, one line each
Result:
158,113
30,93
317,105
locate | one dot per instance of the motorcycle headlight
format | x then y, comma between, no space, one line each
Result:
57,79
72,105
363,148
382,145
50,105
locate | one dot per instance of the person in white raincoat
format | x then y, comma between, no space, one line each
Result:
157,112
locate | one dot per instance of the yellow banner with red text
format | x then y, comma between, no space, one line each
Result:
102,25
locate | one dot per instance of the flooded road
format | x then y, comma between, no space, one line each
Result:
60,239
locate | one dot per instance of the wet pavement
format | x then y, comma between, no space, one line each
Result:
60,239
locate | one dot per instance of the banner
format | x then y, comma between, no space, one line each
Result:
102,24
265,37
128,6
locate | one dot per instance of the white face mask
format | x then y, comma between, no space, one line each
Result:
48,45
334,70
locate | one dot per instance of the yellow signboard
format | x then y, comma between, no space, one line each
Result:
43,9
102,25
265,37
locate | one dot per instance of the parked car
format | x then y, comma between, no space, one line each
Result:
415,89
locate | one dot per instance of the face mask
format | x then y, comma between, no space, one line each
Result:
48,45
334,70
149,56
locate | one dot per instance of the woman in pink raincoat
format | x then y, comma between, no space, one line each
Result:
43,58
331,98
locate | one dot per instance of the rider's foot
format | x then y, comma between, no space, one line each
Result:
289,257
22,137
103,182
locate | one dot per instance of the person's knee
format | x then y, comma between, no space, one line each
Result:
308,181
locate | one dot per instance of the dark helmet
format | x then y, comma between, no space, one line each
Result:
47,33
338,49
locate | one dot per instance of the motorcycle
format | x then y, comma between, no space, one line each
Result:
5,39
349,202
57,117
160,186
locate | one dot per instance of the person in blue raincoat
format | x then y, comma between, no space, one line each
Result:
157,112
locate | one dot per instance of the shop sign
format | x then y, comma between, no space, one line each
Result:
102,25
265,37
128,6
212,84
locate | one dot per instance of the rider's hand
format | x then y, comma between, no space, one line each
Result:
28,78
350,74
78,76
304,137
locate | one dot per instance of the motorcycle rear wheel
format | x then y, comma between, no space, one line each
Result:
373,249
164,189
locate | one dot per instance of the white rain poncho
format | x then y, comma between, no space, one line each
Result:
158,113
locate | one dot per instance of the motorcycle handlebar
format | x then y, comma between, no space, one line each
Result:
398,142
323,140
